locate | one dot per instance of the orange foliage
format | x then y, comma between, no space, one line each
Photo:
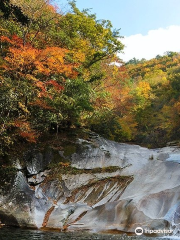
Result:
38,65
14,40
25,131
29,60
40,103
64,165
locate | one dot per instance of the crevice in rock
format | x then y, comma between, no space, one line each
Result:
74,222
79,218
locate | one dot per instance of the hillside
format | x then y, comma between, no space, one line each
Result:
62,71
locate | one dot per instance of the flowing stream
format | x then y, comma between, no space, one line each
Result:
21,234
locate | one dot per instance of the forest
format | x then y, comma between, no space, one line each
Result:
61,71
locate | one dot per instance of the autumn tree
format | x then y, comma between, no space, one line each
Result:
48,67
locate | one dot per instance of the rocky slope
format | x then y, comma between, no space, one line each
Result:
100,185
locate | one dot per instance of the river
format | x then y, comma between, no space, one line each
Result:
21,234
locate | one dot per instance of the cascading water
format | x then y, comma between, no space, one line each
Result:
173,217
176,222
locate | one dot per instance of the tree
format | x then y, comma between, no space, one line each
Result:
31,78
10,10
82,31
49,67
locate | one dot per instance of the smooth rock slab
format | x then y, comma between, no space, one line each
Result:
96,201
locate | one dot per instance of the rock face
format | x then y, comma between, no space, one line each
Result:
143,192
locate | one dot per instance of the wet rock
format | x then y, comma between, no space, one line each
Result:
37,178
37,161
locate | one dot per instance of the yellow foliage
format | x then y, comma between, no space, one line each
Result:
23,107
128,125
143,89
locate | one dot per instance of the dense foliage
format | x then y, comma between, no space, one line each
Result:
49,63
61,71
146,101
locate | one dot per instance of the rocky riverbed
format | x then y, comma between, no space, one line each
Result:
97,185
